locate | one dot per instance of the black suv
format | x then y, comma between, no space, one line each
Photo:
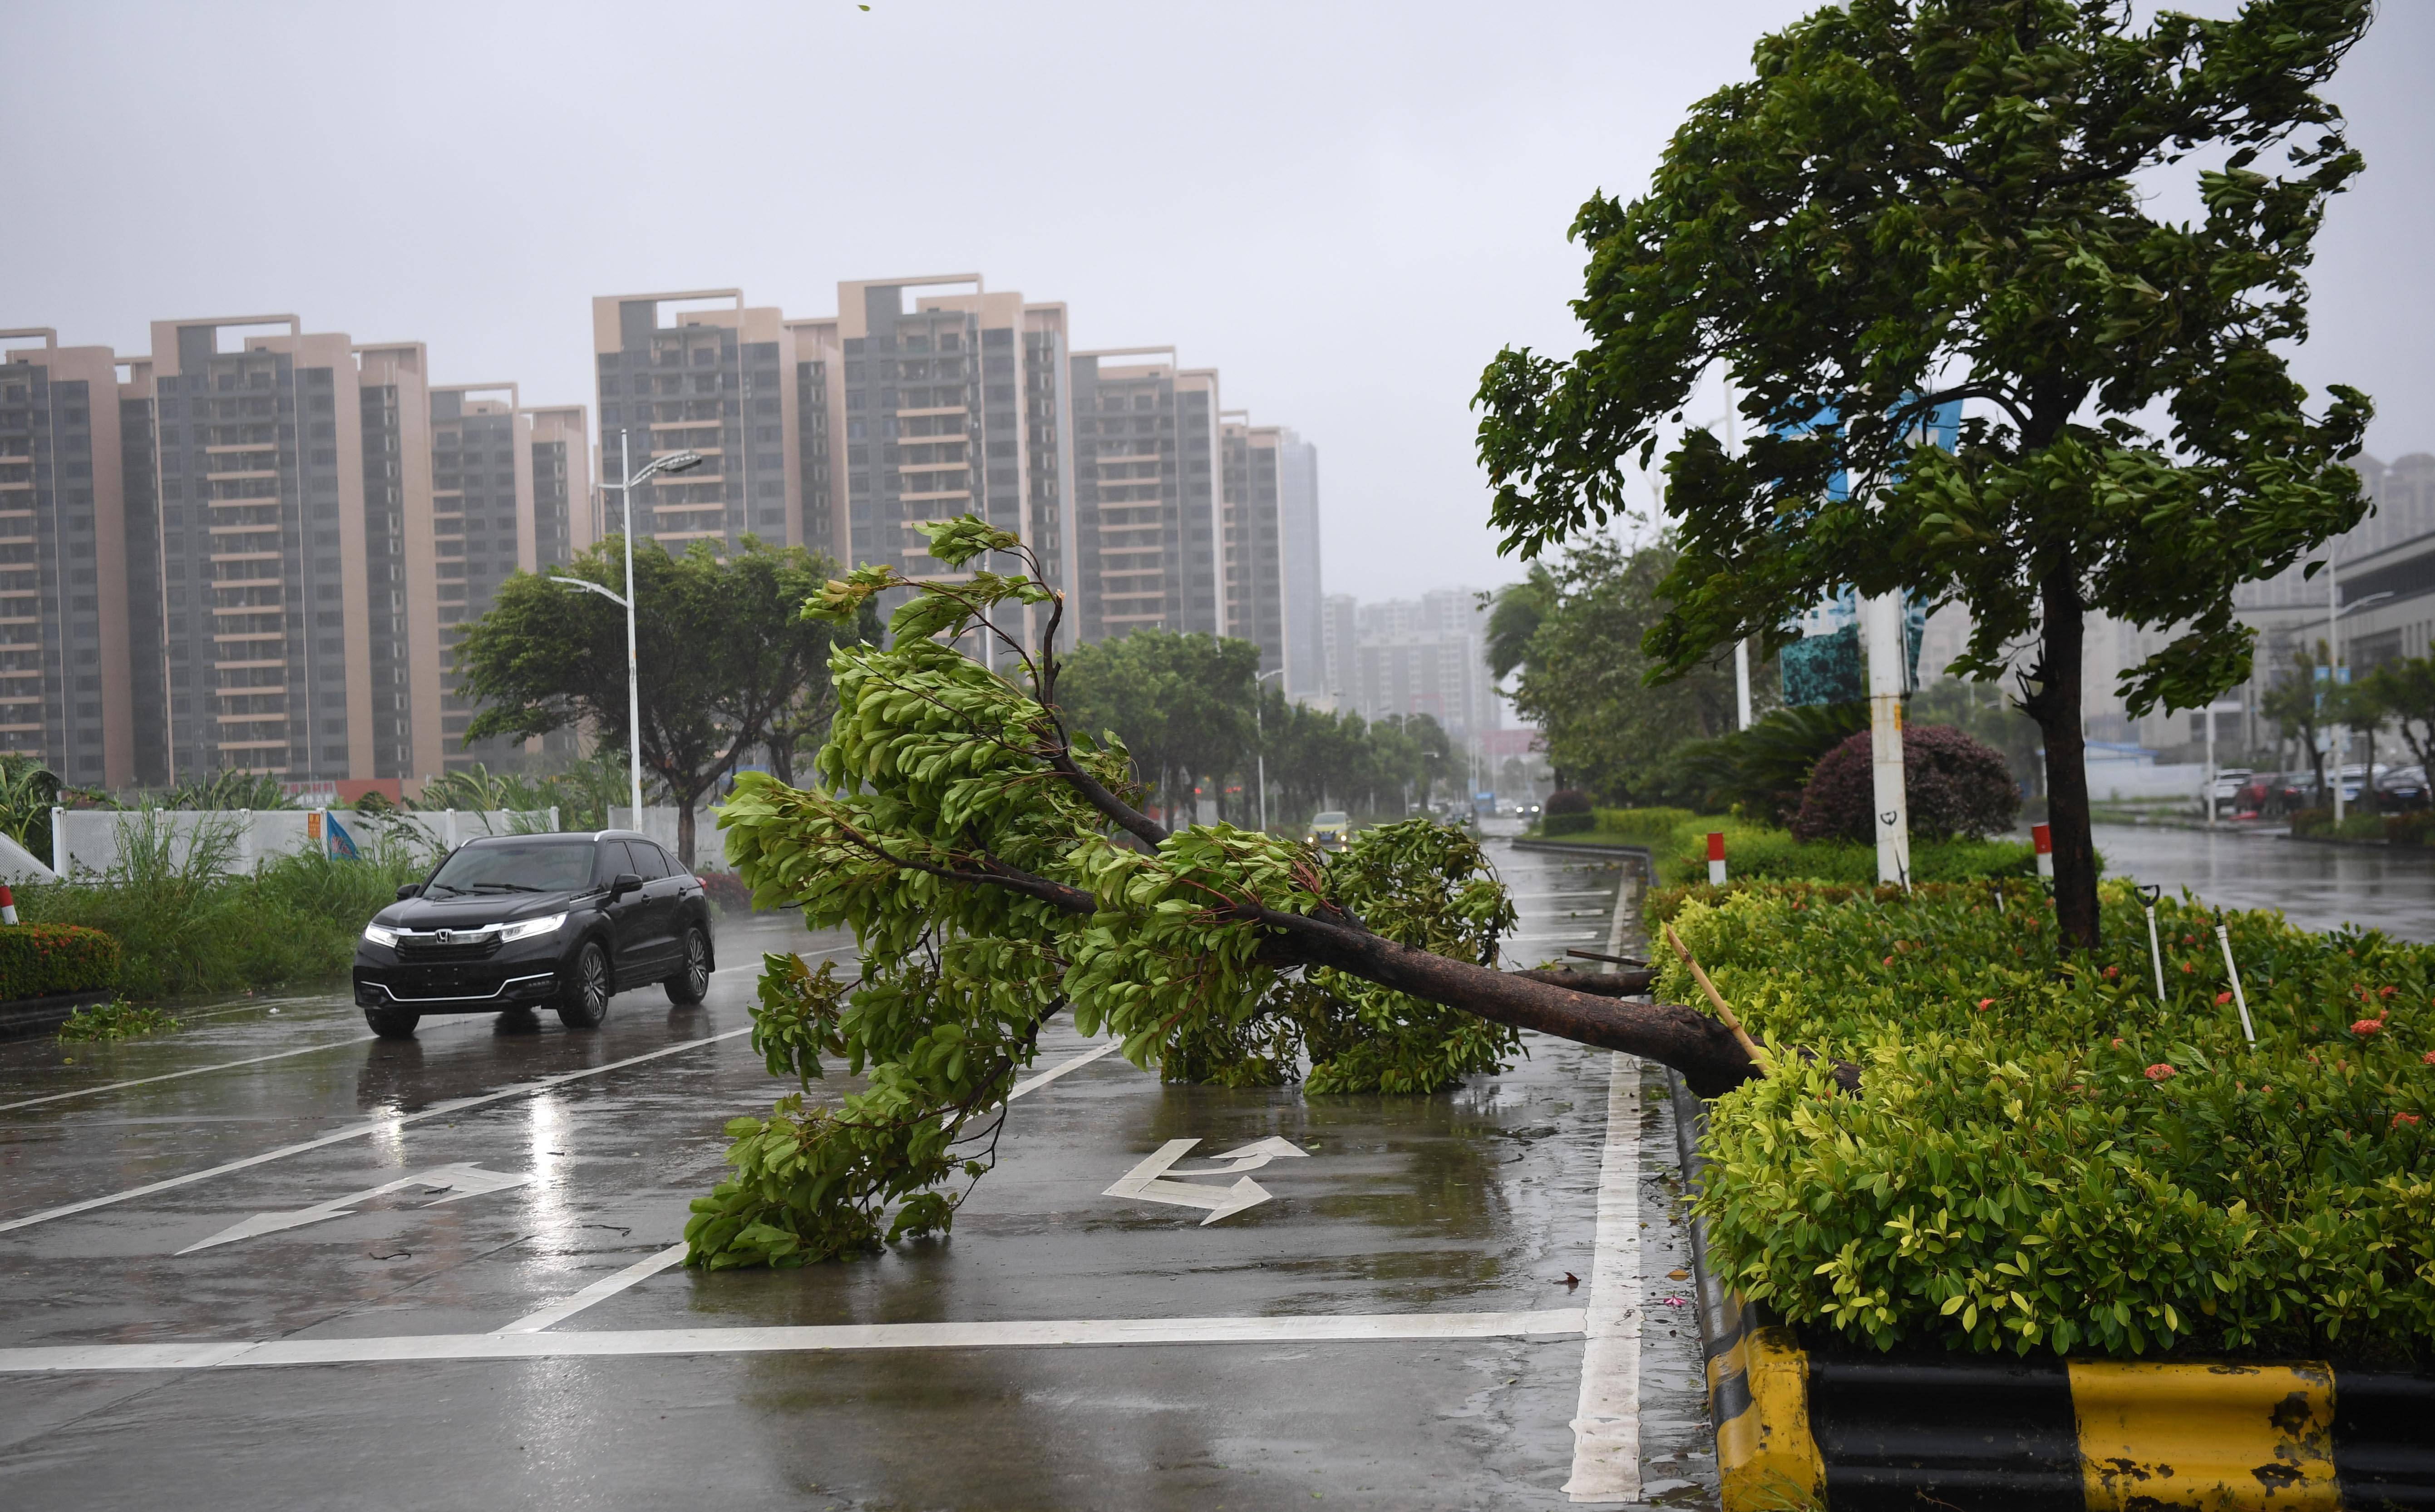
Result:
519,920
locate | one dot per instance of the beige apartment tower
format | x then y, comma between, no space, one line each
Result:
699,371
1147,496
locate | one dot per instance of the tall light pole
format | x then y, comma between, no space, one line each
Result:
673,462
1260,750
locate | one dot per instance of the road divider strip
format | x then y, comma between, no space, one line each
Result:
1377,1328
1606,1424
1832,1428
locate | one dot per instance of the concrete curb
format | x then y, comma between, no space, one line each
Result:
1580,849
1823,1427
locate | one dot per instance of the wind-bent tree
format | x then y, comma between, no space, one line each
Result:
996,869
721,643
1919,202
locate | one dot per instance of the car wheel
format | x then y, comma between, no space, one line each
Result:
583,999
691,984
393,1023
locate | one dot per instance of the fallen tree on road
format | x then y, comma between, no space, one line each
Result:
996,870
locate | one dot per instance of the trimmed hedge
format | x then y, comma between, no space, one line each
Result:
44,960
1952,787
2045,1157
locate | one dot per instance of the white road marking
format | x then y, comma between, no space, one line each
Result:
1147,1182
1035,1083
1357,1327
1606,1425
599,1291
464,1179
642,1270
358,1131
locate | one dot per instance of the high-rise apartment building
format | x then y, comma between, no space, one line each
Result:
1424,656
561,443
1271,552
1147,498
699,371
64,694
259,459
400,587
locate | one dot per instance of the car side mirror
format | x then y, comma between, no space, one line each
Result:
412,889
626,881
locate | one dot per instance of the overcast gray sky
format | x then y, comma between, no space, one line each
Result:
1344,208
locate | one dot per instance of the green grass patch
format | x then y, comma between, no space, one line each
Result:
119,1019
2045,1157
185,928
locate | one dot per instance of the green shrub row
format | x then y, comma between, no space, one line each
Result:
44,960
1678,839
184,928
2044,1156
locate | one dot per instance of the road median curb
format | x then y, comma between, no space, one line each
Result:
1813,1424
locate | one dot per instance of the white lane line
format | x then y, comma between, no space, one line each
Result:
1079,1061
1357,1327
1606,1425
224,1065
642,1270
333,1044
599,1291
358,1131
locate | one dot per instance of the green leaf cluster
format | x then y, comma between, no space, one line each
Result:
950,831
2044,1156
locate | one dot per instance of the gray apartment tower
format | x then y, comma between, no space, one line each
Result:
64,694
1147,533
699,370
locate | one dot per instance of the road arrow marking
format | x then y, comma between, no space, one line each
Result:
1148,1182
454,1181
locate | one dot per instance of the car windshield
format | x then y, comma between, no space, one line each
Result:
1328,820
539,866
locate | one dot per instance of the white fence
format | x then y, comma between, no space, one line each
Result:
2140,782
90,843
660,824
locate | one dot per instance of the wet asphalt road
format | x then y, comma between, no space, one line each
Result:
2316,886
1404,1213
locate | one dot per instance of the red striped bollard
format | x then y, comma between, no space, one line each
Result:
2041,836
8,904
1716,858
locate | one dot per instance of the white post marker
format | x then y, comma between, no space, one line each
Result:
1716,858
2041,840
2148,897
1741,683
59,841
1881,634
2224,937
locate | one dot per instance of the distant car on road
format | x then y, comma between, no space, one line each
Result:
1330,831
2229,782
522,920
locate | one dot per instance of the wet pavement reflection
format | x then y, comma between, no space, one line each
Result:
1478,1200
2316,886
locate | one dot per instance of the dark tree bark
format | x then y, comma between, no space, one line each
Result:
2056,707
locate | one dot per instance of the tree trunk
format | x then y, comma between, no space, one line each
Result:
2056,707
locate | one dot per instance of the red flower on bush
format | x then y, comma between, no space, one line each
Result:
2222,998
2368,1026
2399,1119
2112,971
2160,1071
2117,1044
2385,992
2429,1058
1984,1004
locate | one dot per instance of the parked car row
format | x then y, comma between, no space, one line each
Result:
2270,794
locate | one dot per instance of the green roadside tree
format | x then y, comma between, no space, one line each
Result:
2296,703
2403,690
1917,203
996,867
721,644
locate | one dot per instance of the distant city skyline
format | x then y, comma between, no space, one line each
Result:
1348,209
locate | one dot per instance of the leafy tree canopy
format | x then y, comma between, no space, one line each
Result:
1919,202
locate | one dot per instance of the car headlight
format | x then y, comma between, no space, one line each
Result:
526,929
381,934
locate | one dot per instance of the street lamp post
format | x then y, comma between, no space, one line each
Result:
673,462
1260,750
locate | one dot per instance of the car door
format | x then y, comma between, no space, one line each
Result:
663,886
630,916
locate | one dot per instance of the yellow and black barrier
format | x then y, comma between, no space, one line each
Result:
1801,1427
